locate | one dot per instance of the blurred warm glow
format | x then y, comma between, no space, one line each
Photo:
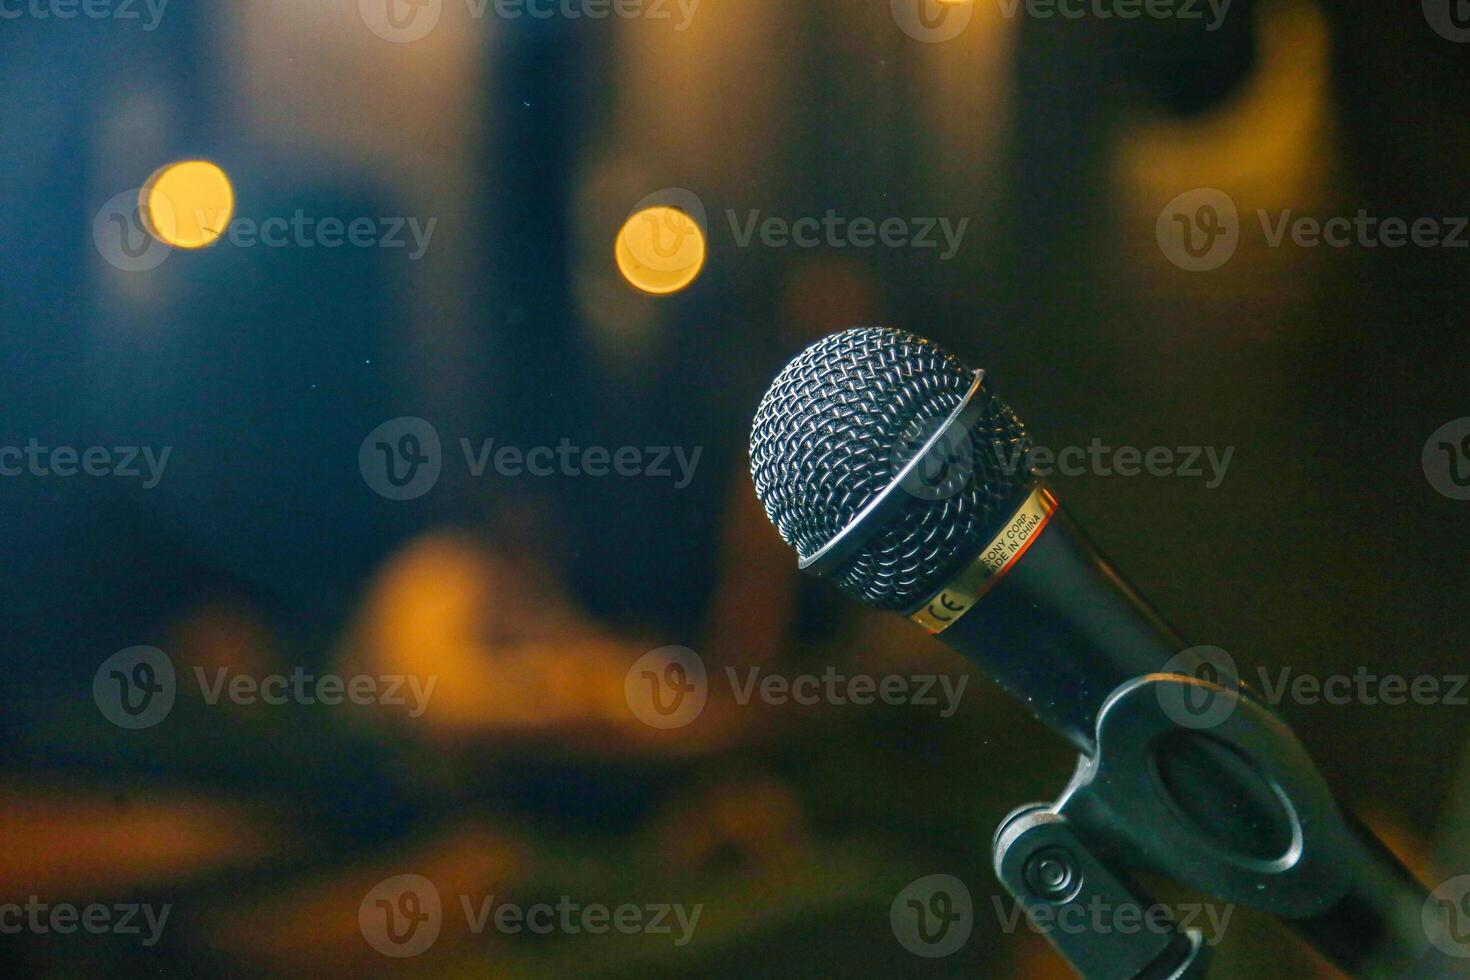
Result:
966,105
311,926
686,110
759,820
446,608
188,204
220,633
67,841
510,653
1268,145
660,250
688,103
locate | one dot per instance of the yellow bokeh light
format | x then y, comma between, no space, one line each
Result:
660,250
188,204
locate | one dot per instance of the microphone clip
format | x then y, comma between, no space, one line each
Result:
1227,802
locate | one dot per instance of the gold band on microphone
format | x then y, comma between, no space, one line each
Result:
1020,532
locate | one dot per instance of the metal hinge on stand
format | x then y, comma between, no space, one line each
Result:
1107,929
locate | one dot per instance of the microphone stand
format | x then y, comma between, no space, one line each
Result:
1238,812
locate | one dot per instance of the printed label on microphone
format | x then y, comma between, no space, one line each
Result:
942,611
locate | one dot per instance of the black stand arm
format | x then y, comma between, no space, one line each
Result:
1234,809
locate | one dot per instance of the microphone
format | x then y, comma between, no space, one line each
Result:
896,472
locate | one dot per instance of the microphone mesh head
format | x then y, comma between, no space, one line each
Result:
836,427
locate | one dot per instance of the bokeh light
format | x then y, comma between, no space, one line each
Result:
188,204
661,250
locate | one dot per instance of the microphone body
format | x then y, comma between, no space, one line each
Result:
1056,627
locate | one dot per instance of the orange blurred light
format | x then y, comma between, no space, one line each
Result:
188,204
660,250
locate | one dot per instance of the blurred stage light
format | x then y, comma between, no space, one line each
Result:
188,204
660,250
1271,144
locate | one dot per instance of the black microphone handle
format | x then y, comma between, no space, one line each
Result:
1060,630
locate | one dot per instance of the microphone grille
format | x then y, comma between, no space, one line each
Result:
838,424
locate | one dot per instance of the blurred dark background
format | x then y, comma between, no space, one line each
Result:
263,547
